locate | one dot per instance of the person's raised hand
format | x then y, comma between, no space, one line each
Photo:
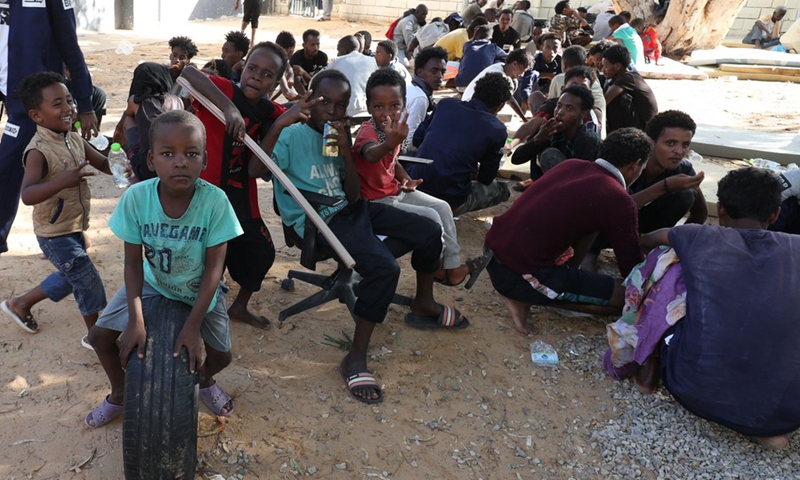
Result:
547,130
342,136
71,177
301,110
681,182
89,126
396,131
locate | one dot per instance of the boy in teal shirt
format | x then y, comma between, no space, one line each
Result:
182,224
629,37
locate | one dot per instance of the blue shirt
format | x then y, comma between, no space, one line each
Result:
462,139
175,248
478,54
299,154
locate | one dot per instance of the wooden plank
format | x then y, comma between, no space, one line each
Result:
762,69
752,76
736,44
670,70
744,56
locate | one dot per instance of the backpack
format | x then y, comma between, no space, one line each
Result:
390,32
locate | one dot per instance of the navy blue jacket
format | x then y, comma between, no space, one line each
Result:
463,139
42,37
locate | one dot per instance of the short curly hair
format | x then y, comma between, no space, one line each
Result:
386,77
286,39
625,146
750,192
172,117
585,96
389,46
618,54
427,54
239,40
493,90
583,72
30,88
601,47
521,56
185,43
669,119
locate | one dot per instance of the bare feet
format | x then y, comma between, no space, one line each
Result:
519,314
779,442
648,375
452,276
245,316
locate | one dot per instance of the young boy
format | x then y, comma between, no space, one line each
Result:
233,52
182,50
252,10
386,56
175,228
734,359
55,184
383,180
297,149
650,41
290,89
627,36
465,140
233,168
629,100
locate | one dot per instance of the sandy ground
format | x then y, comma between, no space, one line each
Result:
459,405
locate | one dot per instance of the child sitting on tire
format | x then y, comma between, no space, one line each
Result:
182,224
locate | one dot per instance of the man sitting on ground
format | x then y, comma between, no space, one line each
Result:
517,62
472,11
564,135
568,25
629,100
310,59
454,41
405,30
766,32
357,67
537,250
668,188
428,35
575,56
523,21
464,139
734,359
503,34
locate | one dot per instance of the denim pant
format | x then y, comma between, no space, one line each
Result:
76,273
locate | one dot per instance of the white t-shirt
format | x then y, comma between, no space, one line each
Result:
357,67
494,68
417,106
431,33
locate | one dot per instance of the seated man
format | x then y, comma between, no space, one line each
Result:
540,241
523,21
465,139
357,67
547,64
479,53
627,36
472,11
298,150
517,62
568,25
668,188
428,35
309,60
575,56
453,42
734,359
629,100
650,40
564,135
766,30
405,30
503,34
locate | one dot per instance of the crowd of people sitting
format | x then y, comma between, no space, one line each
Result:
607,169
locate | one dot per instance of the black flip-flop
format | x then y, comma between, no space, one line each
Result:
26,323
448,319
360,380
476,272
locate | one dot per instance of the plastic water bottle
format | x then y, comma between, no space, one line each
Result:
118,162
768,164
99,142
542,353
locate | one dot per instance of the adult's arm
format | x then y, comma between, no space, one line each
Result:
417,110
612,93
234,123
62,27
623,234
490,164
699,211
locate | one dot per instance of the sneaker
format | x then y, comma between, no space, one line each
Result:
85,343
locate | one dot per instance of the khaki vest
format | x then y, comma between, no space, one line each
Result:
68,210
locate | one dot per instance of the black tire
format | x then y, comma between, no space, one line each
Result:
159,430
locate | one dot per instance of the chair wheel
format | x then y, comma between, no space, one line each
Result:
287,284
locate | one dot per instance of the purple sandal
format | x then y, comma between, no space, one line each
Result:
102,414
216,399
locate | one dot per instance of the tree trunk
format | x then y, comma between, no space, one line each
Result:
689,24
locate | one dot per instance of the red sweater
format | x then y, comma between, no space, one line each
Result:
574,199
651,43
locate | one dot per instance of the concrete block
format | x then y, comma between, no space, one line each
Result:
738,24
766,11
759,3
